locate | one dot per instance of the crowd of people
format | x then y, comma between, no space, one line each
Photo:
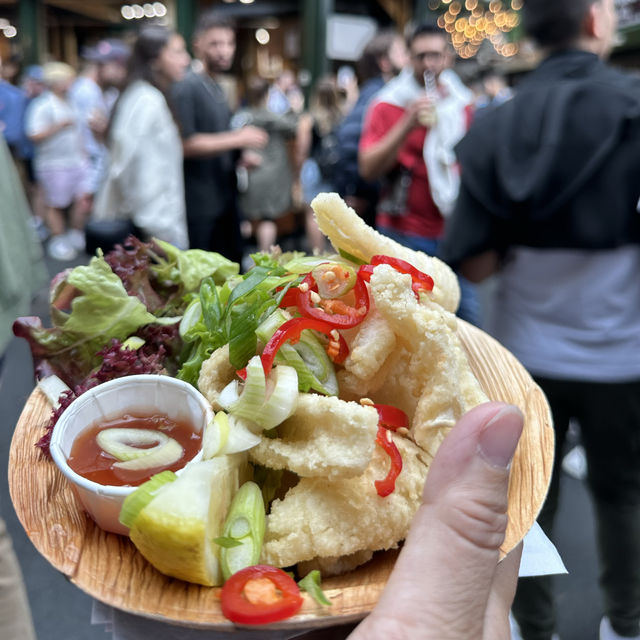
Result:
538,187
145,140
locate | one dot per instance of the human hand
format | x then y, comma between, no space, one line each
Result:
63,124
98,124
447,583
250,159
250,136
421,112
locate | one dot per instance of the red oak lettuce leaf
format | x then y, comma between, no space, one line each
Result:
117,362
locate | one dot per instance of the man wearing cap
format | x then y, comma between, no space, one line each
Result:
93,95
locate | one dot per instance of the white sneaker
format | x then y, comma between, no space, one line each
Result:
607,632
76,239
515,630
59,248
575,463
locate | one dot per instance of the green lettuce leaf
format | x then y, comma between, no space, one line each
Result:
100,311
190,267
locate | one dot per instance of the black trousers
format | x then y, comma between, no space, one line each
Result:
609,418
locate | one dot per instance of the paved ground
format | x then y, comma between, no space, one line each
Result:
62,612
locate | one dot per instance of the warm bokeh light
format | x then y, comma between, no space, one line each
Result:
262,35
471,22
147,10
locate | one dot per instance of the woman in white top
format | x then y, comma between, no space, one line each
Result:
144,182
59,161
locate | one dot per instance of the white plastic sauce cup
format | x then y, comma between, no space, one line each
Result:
141,394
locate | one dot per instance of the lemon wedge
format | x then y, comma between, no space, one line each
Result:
175,531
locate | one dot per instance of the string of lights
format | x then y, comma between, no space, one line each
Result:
147,10
471,23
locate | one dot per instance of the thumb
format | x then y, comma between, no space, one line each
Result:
441,582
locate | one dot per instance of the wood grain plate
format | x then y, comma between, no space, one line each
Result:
108,567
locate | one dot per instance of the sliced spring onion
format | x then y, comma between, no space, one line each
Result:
191,317
283,399
268,326
307,356
334,279
215,436
311,584
126,445
52,387
245,524
241,438
247,403
350,257
133,343
162,456
305,263
265,406
135,502
227,434
226,542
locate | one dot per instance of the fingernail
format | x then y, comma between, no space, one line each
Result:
499,438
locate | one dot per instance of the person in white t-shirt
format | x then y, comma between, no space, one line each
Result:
59,161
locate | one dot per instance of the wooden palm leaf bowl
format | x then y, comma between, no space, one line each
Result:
109,568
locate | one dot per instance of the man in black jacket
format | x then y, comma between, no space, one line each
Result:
549,198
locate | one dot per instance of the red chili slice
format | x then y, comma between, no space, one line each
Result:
335,312
290,298
260,594
387,486
290,331
391,417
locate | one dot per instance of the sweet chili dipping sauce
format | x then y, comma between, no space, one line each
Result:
90,461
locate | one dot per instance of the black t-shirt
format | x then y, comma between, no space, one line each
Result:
201,107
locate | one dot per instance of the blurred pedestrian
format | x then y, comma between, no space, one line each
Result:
410,130
318,150
93,95
22,273
266,197
10,70
60,163
550,187
13,104
285,95
495,89
143,191
32,83
210,145
383,57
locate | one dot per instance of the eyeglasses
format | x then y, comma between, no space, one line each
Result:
429,55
